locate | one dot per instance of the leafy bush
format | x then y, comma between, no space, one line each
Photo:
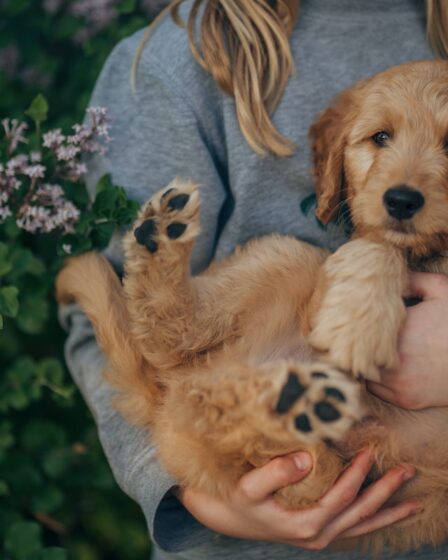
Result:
58,498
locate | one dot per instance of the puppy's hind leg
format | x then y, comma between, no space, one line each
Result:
157,273
90,281
236,416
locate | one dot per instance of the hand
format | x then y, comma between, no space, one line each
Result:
251,512
420,380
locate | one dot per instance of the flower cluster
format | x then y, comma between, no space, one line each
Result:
97,14
31,184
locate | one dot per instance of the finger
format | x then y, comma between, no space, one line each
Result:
371,500
262,482
428,286
383,518
382,391
346,489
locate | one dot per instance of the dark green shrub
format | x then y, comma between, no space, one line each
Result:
58,498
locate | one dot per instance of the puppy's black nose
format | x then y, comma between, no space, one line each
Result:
403,202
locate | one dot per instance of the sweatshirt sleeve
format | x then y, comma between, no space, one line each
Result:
156,135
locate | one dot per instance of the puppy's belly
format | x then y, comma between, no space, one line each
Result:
418,437
287,346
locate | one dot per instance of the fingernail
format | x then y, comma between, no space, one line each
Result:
408,475
303,461
408,472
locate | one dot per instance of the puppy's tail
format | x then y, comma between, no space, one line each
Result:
91,281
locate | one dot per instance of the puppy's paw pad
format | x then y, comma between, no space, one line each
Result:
302,423
170,217
176,230
145,234
291,391
178,202
317,403
326,412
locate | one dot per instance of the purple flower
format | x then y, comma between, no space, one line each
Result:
98,14
30,191
154,7
14,133
52,6
53,139
49,211
34,171
67,153
9,60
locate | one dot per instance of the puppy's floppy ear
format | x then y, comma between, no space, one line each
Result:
328,137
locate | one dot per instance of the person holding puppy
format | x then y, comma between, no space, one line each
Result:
230,109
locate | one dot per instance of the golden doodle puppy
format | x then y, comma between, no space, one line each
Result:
260,355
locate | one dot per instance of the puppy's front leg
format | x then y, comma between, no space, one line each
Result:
359,307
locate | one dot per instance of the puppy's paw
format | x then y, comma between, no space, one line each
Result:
361,309
315,402
362,351
170,218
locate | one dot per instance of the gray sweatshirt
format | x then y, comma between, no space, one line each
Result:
178,123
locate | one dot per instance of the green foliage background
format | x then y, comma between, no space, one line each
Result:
58,498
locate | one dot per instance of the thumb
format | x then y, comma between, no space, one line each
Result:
261,482
426,285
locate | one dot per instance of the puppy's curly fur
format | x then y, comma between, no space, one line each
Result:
258,356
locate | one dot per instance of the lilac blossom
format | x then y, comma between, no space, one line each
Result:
53,139
48,210
31,192
154,7
14,133
31,76
9,60
97,14
52,6
35,171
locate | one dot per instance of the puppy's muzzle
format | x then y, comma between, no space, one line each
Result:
403,202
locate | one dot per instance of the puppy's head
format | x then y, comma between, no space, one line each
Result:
382,148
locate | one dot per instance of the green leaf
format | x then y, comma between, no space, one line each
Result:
126,6
53,553
5,262
6,437
41,434
23,539
104,183
101,234
38,110
106,202
11,229
9,303
50,370
47,499
33,314
4,488
14,7
23,262
57,461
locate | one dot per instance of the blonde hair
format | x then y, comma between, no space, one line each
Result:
244,44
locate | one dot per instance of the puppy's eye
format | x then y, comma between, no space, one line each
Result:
381,138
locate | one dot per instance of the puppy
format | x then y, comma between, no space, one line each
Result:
260,355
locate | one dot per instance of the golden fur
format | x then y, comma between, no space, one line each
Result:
251,359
